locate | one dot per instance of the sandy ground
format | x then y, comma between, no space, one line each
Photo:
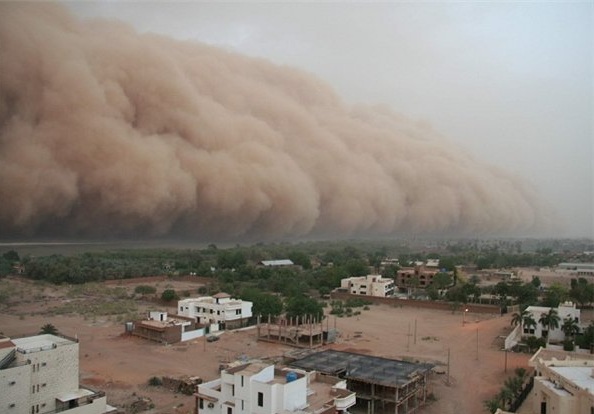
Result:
121,365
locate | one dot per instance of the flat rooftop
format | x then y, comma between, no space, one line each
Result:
40,343
365,368
580,376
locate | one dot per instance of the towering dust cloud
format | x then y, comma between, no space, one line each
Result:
107,132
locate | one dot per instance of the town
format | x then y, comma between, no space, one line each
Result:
270,329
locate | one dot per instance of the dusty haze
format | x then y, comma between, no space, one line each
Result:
107,132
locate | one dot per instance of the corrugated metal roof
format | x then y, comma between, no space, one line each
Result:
280,262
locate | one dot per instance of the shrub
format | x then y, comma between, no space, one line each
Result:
145,290
169,294
155,381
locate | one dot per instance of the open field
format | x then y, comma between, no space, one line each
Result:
121,365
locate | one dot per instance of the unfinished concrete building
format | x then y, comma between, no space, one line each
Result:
304,332
382,385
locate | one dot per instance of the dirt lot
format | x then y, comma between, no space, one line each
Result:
121,365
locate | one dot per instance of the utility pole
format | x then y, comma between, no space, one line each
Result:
448,375
415,332
477,346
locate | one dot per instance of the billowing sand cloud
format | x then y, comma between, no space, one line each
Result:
107,132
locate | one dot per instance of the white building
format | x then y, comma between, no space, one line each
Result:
217,312
371,285
39,374
260,388
565,310
564,382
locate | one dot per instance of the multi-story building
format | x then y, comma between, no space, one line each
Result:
563,382
418,276
260,388
371,285
217,312
39,374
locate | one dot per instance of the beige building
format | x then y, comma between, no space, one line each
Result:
39,374
564,382
371,285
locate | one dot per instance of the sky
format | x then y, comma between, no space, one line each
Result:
509,82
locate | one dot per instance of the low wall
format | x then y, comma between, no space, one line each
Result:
427,304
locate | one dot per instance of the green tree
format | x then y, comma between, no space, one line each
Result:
493,405
12,256
442,280
554,295
570,327
302,306
49,329
169,295
264,304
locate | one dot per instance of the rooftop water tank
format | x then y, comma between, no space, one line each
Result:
291,376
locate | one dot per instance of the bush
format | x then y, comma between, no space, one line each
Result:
145,290
169,294
568,345
155,381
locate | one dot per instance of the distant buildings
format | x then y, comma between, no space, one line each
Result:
370,285
260,388
277,263
420,275
39,374
563,382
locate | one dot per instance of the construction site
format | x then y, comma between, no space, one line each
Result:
301,332
383,386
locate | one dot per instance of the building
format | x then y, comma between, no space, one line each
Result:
39,374
277,263
565,310
563,382
418,276
382,385
160,327
578,269
218,312
261,388
371,285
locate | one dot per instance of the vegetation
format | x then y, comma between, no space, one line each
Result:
169,295
48,329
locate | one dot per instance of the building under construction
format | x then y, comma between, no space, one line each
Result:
382,385
302,332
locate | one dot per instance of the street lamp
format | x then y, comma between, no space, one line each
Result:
464,316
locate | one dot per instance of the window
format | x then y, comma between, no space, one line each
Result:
238,311
242,380
242,407
14,382
201,403
233,390
181,308
43,364
260,399
11,405
229,410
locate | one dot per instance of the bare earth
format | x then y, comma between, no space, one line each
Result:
121,365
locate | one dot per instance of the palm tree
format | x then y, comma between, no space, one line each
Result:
549,321
570,327
505,396
492,405
518,317
529,322
48,328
